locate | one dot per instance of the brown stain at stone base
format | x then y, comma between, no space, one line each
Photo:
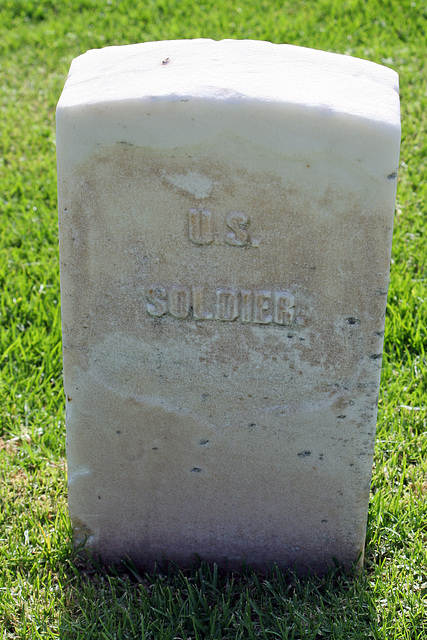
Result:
81,532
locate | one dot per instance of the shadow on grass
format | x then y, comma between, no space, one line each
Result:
118,602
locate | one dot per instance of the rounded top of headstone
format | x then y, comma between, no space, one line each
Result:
233,71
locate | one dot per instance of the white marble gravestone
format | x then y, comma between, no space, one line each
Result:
226,215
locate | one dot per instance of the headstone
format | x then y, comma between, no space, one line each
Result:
226,215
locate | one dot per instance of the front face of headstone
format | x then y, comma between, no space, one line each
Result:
224,266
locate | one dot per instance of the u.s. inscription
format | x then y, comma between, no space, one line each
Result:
258,306
234,230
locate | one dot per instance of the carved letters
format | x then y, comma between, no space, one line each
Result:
200,226
238,223
201,230
258,306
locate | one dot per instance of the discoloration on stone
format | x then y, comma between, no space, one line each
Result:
223,293
192,183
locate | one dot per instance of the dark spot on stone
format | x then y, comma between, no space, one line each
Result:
304,454
203,441
380,334
196,470
353,320
118,431
290,335
154,448
99,497
252,424
392,176
322,455
324,520
376,356
69,398
341,417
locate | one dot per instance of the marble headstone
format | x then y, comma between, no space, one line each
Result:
225,214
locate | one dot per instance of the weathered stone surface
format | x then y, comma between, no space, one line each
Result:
225,219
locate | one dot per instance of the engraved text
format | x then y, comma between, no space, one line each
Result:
236,229
258,306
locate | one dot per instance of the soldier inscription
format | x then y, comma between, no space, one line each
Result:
259,306
225,213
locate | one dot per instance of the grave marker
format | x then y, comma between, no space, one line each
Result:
226,214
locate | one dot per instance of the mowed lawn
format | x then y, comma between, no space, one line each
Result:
45,590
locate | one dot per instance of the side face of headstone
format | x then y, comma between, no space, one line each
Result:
225,218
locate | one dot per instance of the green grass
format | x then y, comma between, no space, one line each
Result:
45,590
